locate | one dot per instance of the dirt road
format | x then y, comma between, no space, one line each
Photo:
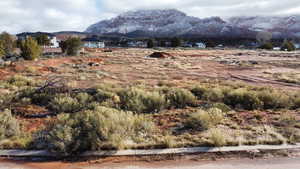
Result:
274,163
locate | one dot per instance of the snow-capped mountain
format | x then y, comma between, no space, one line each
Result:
176,23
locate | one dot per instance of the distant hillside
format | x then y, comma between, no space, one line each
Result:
159,23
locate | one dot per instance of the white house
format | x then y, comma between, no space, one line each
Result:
93,43
53,42
297,45
200,45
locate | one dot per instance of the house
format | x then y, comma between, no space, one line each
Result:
54,43
137,44
93,42
297,45
200,45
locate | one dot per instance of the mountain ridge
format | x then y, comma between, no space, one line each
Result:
172,22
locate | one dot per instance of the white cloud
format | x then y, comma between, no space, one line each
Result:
57,15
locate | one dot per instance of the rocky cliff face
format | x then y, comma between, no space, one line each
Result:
176,23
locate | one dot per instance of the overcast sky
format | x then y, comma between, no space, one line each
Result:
58,15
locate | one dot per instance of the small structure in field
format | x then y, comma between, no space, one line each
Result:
93,43
160,55
200,45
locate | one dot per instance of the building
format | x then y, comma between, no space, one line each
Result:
93,42
137,44
200,45
54,43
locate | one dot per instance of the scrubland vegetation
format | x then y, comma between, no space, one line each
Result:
120,117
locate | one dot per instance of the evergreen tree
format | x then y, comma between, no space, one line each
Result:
43,40
30,50
176,42
268,46
71,46
2,50
7,43
288,46
150,43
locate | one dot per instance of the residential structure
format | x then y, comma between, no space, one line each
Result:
54,43
93,42
200,45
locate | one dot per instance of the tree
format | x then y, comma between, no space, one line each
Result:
210,44
176,42
288,46
2,50
71,46
150,43
43,40
30,50
268,46
7,43
163,43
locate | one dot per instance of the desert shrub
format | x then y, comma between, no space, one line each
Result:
222,107
217,137
288,119
205,119
30,50
9,125
297,103
268,46
273,99
288,46
214,95
84,98
101,128
179,98
102,95
139,100
199,91
243,98
21,81
64,103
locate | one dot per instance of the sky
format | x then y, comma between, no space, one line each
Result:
76,15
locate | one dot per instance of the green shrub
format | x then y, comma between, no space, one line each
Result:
2,50
6,44
9,126
214,95
273,99
205,119
30,50
65,104
138,100
243,98
288,46
99,129
268,46
180,98
199,91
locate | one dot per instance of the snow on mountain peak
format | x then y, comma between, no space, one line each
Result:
172,22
